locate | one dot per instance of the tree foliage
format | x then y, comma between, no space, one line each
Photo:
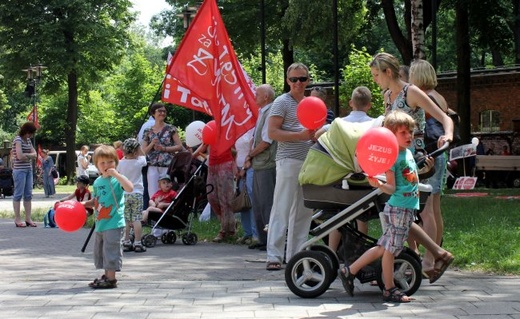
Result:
76,39
357,73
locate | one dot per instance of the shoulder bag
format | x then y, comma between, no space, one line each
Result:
434,129
241,201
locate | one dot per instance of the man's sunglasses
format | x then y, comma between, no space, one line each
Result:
296,79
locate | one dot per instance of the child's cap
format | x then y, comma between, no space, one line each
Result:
83,179
165,177
130,145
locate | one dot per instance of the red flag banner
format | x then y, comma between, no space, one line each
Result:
40,157
33,116
205,75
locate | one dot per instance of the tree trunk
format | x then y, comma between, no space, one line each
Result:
463,70
417,29
403,44
288,59
70,128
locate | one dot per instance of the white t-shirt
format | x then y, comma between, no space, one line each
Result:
147,124
80,170
131,168
242,146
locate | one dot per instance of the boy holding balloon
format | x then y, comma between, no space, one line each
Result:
402,183
108,202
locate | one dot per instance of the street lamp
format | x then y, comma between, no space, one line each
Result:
34,75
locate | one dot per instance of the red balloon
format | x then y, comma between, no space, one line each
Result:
209,133
377,150
70,216
312,112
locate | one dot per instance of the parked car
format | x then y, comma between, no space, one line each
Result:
92,170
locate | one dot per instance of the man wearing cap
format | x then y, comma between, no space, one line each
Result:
162,198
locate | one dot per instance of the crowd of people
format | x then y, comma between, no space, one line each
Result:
267,161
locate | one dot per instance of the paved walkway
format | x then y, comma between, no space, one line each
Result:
45,276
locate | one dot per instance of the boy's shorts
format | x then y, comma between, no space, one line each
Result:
396,225
108,253
133,207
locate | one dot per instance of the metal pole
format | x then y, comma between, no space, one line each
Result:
336,58
262,39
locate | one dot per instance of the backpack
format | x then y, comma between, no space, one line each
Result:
48,219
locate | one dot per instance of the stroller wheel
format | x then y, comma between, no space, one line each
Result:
407,274
149,240
171,237
331,257
308,273
189,239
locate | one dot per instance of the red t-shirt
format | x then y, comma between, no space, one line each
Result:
164,197
82,196
120,154
225,157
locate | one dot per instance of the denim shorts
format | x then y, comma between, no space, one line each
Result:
437,179
23,184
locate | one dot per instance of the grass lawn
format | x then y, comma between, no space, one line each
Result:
482,232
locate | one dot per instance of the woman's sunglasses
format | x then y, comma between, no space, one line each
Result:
296,79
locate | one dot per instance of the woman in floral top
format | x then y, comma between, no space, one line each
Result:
160,143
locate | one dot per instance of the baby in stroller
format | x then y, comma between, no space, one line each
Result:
162,198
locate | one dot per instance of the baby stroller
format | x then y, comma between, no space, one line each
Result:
6,182
177,217
310,272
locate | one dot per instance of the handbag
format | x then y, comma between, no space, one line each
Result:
241,201
434,129
54,172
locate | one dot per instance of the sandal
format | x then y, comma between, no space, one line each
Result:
30,224
394,295
21,225
127,246
347,279
273,265
139,248
97,280
104,284
445,261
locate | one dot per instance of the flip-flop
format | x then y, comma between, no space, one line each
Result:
273,265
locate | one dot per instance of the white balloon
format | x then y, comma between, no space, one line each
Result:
194,133
474,141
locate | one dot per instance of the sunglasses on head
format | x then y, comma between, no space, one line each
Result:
301,79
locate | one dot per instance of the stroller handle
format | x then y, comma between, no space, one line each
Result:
437,152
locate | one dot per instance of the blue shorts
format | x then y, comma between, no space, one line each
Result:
436,180
23,184
396,225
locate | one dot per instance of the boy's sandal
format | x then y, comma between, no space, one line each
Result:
128,247
395,295
139,248
97,280
347,279
104,284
